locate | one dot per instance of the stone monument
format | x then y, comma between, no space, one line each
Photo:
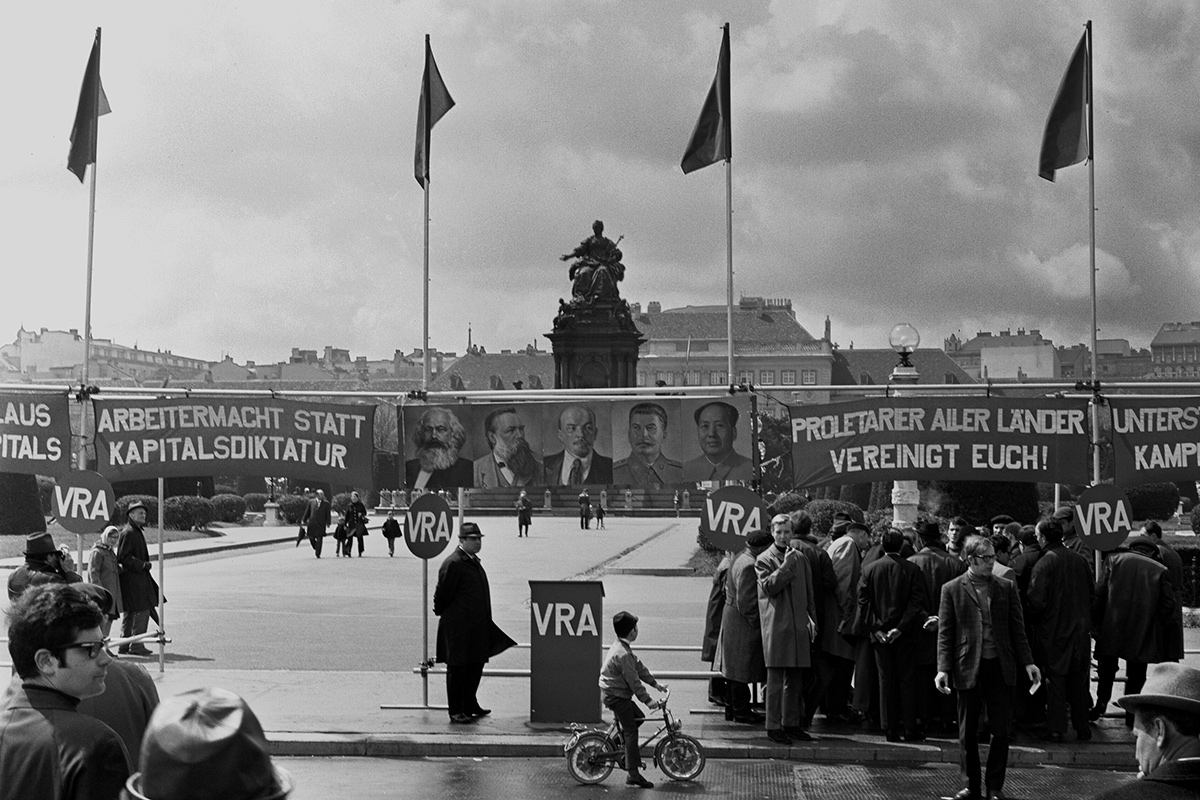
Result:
594,339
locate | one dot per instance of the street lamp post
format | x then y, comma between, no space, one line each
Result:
905,494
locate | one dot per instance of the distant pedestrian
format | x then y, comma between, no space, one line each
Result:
599,515
391,532
981,645
524,514
315,521
103,571
341,538
356,523
676,502
585,510
466,635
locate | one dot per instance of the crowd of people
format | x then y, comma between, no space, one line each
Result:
80,722
981,633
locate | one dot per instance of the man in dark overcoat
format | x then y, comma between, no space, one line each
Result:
712,631
1060,602
466,635
317,516
139,591
1134,602
938,568
981,645
830,644
740,644
1172,640
892,607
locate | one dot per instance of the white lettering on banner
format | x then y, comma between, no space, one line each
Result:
26,415
1156,420
179,449
1046,421
30,448
852,423
726,517
1099,518
893,456
328,423
78,503
427,526
961,420
1030,457
1166,456
136,419
563,614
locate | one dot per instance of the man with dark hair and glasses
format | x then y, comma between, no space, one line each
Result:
48,748
981,645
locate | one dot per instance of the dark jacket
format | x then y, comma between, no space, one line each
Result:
601,471
460,474
960,631
891,596
1173,779
33,573
938,568
49,750
1172,640
391,529
825,587
130,697
356,518
316,519
1060,601
1022,567
462,600
740,650
139,591
1134,603
715,610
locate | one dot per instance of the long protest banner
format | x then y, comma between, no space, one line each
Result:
1155,440
941,438
35,434
152,437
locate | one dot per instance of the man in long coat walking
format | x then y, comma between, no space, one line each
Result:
139,591
1060,601
740,643
785,607
466,635
317,516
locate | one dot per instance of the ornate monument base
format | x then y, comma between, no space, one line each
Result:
595,346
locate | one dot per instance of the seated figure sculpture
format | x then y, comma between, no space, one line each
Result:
597,268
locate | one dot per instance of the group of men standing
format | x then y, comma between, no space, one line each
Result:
925,635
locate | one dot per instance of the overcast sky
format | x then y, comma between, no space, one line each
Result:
255,186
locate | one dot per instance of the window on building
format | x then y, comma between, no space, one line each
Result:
693,377
766,377
641,379
667,378
788,377
746,376
717,378
808,377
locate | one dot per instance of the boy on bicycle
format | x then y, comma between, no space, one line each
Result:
621,679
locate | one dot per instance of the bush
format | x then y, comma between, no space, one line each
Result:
1186,503
979,501
228,508
822,512
339,502
187,512
224,488
787,502
291,508
256,501
1189,593
45,488
1153,500
151,502
1194,518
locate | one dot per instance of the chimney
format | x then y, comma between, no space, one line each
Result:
828,330
635,308
654,307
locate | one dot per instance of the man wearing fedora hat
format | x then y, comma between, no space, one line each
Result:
139,591
206,744
43,564
466,635
1166,721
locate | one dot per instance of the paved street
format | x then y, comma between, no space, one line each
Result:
484,778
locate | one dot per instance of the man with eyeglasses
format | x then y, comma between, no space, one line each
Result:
981,642
47,748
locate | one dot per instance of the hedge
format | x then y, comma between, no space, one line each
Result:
187,512
291,508
1153,500
228,508
822,512
256,501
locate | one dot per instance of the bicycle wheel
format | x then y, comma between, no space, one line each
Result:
680,757
586,761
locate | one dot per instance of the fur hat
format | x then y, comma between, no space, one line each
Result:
1168,685
206,743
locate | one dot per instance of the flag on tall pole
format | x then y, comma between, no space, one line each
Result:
712,140
1067,139
92,105
435,102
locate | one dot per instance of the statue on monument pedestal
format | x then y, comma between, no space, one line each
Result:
597,268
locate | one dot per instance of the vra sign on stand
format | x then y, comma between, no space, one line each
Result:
428,526
730,514
83,501
1103,517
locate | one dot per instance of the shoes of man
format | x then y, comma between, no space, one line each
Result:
1096,713
778,737
995,794
481,712
636,779
1054,737
139,650
798,734
914,736
967,794
893,736
1083,735
462,719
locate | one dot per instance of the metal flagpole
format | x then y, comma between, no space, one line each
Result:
729,261
425,284
1091,131
162,624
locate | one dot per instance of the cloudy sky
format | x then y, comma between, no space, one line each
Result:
256,193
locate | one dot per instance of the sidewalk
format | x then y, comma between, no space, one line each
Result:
323,713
